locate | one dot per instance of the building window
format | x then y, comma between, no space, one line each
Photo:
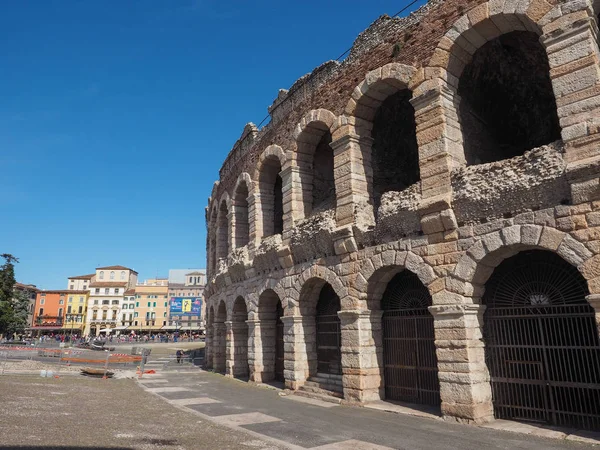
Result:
80,299
80,311
149,303
85,286
137,304
97,290
154,304
123,275
165,314
101,275
115,302
106,291
41,312
71,287
116,290
136,322
60,312
164,322
61,301
42,300
70,299
95,302
69,309
165,304
106,302
135,315
112,275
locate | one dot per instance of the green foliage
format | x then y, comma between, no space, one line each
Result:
10,309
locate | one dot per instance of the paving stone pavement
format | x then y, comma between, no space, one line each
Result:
301,423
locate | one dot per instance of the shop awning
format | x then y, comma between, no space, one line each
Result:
45,328
120,328
169,328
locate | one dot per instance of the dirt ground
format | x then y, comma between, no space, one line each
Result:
85,413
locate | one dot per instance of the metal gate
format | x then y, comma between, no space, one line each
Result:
279,346
542,347
329,356
410,361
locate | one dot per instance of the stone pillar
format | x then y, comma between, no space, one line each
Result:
298,352
229,348
440,150
464,378
291,190
571,41
594,301
360,368
353,176
208,347
219,347
236,364
262,335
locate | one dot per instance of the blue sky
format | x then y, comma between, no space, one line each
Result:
115,117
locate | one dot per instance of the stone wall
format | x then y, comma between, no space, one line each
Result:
451,227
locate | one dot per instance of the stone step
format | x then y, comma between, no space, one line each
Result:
319,396
320,389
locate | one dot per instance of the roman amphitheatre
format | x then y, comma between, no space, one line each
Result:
420,222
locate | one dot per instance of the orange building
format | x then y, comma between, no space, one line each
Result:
49,312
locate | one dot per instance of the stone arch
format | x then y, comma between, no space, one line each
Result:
240,227
275,286
476,266
222,233
491,114
386,130
268,204
309,283
375,272
315,162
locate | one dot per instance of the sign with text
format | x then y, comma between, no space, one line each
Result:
185,306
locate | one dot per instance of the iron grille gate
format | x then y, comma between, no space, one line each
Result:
329,356
542,347
410,361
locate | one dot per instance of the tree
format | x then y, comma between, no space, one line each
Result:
8,313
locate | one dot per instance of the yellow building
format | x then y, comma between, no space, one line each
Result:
151,306
75,312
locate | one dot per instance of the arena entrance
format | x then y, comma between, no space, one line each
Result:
329,356
409,358
542,346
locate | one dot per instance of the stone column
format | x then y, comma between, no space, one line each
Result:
261,357
571,41
464,378
288,175
229,348
219,347
208,347
360,369
299,353
353,176
594,301
440,150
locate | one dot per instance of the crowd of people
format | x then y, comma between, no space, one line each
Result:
113,339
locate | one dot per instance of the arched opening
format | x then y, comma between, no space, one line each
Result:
507,102
410,368
542,347
222,231
329,337
219,339
323,189
239,329
315,161
271,359
395,152
271,196
241,233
